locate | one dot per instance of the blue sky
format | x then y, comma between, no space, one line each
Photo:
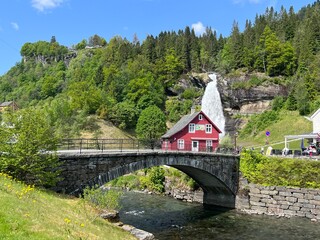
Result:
71,21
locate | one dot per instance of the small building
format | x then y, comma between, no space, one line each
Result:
193,132
315,118
8,105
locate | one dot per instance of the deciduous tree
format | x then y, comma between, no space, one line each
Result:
27,145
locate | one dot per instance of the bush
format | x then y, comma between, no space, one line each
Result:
271,171
191,93
156,176
102,199
130,182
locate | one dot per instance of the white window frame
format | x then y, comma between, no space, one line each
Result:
209,143
180,143
192,127
208,128
200,117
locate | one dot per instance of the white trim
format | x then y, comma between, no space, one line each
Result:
209,143
200,138
194,127
200,116
209,128
180,144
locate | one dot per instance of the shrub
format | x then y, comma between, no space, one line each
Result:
157,178
102,199
272,171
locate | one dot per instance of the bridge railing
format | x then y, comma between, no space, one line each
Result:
95,144
122,145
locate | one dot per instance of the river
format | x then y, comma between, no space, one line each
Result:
170,219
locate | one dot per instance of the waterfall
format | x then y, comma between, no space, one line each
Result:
211,104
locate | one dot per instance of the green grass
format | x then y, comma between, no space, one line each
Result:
290,123
30,213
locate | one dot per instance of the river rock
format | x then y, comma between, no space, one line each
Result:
138,233
141,234
110,215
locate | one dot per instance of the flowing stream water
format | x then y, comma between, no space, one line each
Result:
211,104
170,219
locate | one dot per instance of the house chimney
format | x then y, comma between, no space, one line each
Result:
193,109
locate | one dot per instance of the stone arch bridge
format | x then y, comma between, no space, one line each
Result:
217,174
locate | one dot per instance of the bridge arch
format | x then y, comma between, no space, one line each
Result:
217,174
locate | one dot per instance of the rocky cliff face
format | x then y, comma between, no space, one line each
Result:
245,101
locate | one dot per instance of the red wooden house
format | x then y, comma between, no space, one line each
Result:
193,132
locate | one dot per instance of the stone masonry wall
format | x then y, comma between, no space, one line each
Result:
185,195
279,201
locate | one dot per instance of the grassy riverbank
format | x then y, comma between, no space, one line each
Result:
30,213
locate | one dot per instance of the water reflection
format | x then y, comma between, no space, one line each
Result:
168,218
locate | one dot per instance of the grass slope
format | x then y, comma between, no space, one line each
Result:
290,123
105,129
30,213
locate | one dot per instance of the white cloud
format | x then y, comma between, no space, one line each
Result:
41,5
15,26
198,28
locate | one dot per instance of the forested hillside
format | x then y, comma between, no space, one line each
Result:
117,80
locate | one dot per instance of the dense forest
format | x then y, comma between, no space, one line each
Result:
117,80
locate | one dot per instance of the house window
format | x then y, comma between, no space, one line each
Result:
166,144
180,144
200,116
208,128
192,128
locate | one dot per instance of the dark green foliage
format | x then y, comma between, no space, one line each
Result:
124,115
27,140
151,124
177,108
191,93
272,171
96,40
43,49
277,103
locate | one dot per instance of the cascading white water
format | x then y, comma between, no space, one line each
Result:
211,104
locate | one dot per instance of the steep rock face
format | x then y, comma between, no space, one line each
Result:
236,98
245,101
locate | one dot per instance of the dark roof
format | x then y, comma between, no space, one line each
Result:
6,104
184,121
